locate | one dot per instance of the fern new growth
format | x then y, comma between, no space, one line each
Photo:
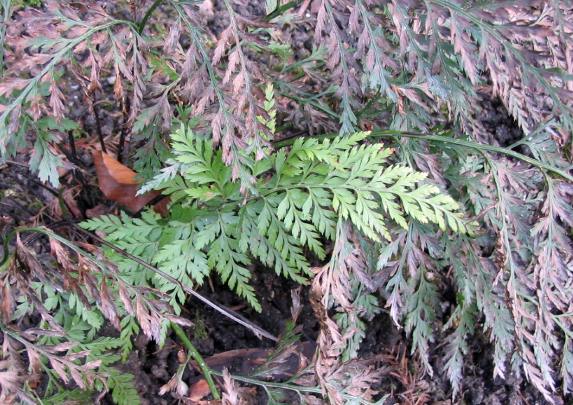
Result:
297,198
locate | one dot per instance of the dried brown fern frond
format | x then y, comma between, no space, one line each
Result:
332,287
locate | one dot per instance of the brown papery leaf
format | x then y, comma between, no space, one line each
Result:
107,306
231,396
118,183
198,391
60,369
6,300
124,297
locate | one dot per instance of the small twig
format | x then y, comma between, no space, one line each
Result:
148,13
49,189
72,143
17,206
125,107
95,110
257,330
194,353
33,180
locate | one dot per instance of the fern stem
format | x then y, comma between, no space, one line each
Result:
392,134
299,389
148,13
193,352
477,146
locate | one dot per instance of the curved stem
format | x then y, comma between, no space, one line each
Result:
290,387
392,134
477,146
148,14
193,352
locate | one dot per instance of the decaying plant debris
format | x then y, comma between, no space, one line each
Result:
341,145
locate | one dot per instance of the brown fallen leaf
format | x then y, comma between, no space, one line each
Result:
199,390
118,183
245,361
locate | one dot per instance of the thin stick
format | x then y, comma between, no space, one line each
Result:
193,352
72,143
95,111
257,330
150,10
125,107
393,134
32,179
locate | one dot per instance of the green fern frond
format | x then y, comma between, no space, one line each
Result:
122,386
183,261
229,261
296,200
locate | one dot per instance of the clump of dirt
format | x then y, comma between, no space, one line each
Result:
500,128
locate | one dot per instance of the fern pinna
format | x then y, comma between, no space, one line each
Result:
291,208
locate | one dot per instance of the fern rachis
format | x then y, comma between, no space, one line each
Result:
292,208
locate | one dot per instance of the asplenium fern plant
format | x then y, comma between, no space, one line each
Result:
408,66
296,198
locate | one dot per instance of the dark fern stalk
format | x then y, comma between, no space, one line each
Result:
141,25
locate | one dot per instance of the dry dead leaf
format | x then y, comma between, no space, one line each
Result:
244,361
7,302
199,390
231,395
118,183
